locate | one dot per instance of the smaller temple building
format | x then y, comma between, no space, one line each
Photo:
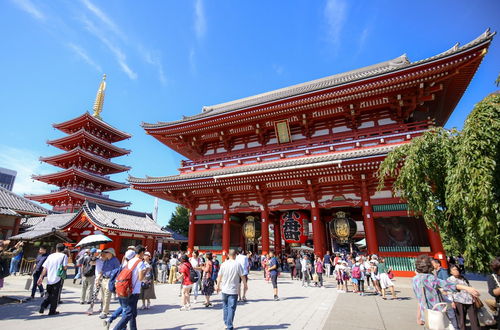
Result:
12,209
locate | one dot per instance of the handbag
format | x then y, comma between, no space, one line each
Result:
315,277
435,319
477,302
29,281
390,274
61,272
145,285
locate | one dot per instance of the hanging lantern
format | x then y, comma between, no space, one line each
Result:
249,231
295,227
342,228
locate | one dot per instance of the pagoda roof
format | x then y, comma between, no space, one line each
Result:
269,166
78,195
399,64
83,134
15,205
73,171
78,151
84,120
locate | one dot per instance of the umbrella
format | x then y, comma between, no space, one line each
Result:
94,240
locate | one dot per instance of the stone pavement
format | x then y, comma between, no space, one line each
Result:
300,308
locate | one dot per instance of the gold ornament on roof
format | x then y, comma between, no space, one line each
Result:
99,99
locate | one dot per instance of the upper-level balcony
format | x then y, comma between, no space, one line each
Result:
339,142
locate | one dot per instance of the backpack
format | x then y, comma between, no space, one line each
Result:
112,279
88,269
356,272
193,275
123,283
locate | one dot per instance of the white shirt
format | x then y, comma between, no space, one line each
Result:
52,264
195,262
243,261
231,271
98,267
136,284
174,262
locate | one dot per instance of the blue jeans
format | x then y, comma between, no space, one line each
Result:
36,276
129,313
229,302
14,266
116,313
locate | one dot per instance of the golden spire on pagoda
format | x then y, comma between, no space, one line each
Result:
99,98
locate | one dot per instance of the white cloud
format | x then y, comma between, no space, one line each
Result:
335,14
78,50
30,8
192,60
155,61
26,163
120,56
110,24
200,22
279,69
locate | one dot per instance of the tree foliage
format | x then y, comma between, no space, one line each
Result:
179,222
452,179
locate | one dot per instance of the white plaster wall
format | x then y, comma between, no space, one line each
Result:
382,194
321,132
341,129
352,196
253,144
367,124
386,121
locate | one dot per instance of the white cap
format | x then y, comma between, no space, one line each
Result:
358,258
129,254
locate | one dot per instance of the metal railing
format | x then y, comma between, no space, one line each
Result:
27,266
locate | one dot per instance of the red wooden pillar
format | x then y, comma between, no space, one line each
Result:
277,237
368,221
264,231
226,233
318,230
437,246
17,223
191,232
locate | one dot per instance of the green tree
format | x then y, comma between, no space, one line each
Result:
179,222
452,179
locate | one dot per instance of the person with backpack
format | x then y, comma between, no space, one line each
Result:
129,254
128,287
88,273
54,268
358,276
188,276
197,264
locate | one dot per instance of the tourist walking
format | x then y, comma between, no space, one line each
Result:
54,268
40,259
197,264
186,279
427,287
207,287
88,272
319,269
305,269
327,261
131,276
174,263
385,281
463,302
228,281
273,273
109,265
147,285
129,254
494,285
242,259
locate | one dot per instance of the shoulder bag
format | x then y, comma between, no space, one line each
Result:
435,319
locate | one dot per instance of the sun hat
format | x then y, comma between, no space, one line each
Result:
110,250
129,254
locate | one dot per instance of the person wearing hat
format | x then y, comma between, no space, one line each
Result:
147,285
110,263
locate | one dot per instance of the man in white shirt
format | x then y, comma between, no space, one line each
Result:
197,264
229,277
51,266
129,304
242,259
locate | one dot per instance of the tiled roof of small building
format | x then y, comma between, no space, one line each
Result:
19,204
36,227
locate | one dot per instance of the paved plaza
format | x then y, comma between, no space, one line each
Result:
300,308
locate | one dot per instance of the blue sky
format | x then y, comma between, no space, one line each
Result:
165,59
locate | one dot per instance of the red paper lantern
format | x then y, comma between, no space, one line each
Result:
294,227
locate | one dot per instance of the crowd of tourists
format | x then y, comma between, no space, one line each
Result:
132,280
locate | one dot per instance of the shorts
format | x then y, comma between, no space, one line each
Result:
355,280
385,281
187,286
274,280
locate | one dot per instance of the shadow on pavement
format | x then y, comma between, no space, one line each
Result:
190,326
267,326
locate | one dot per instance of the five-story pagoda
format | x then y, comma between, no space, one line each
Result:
86,161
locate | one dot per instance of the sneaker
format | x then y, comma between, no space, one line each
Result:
103,315
55,313
106,324
276,298
41,310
